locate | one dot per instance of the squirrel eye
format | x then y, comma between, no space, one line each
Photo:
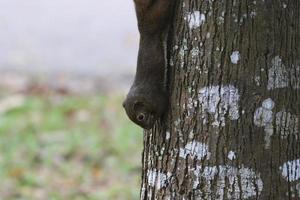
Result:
141,117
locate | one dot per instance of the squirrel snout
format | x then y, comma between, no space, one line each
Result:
140,112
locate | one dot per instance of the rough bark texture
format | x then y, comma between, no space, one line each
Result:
232,131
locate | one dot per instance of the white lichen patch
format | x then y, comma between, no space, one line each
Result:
207,35
191,106
294,76
290,170
195,149
157,179
268,104
263,117
235,57
219,101
230,182
253,14
284,5
168,135
286,124
182,52
257,80
279,76
195,19
195,52
231,155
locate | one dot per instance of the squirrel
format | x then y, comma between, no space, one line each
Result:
147,99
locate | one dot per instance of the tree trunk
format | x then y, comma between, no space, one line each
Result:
232,130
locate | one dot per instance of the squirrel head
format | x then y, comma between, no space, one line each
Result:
144,108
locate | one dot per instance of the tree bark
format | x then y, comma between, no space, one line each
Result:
232,130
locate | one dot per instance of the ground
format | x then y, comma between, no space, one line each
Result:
59,145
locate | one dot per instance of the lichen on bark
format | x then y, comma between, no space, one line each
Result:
216,142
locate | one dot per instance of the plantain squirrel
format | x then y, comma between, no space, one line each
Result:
147,99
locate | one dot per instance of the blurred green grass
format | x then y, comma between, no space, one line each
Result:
64,147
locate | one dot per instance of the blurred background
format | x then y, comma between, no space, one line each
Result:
65,67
